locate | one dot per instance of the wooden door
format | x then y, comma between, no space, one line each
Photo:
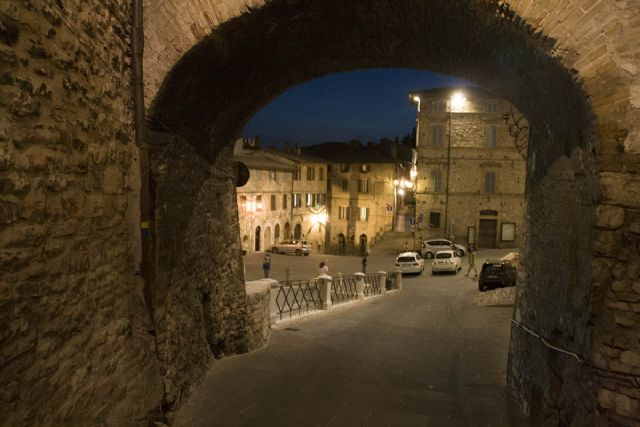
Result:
488,233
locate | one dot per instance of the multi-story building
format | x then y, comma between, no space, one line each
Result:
285,197
361,203
471,149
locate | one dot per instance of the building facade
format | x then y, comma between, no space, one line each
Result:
284,197
471,162
361,203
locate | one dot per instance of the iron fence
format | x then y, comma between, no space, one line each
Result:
343,289
372,284
297,297
392,281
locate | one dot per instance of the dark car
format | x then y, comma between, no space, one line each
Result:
497,274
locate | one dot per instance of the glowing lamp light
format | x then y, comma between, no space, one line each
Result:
259,205
320,218
396,182
414,172
401,191
458,100
408,184
416,98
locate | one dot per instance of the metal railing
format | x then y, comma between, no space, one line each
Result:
343,289
297,297
372,285
392,282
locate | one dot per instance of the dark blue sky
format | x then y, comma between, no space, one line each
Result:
366,105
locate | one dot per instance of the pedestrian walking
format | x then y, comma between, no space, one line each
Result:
364,263
472,262
324,269
405,248
266,265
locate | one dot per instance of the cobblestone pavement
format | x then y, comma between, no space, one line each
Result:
425,357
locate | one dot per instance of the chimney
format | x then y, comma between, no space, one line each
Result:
298,149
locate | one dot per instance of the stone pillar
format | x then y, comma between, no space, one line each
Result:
360,285
398,274
383,281
325,291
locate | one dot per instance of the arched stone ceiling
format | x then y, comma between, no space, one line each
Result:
230,74
598,38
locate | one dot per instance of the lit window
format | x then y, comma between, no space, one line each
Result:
258,203
242,206
321,199
343,212
297,200
310,199
363,214
365,168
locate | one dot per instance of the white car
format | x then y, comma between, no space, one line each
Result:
298,247
431,246
410,262
446,261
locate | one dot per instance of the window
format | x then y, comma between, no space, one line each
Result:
297,173
490,182
365,168
311,173
243,204
343,212
508,232
363,214
258,203
272,175
310,199
437,105
437,181
363,185
345,168
434,219
273,202
491,106
284,201
490,133
297,200
437,135
321,174
345,185
321,199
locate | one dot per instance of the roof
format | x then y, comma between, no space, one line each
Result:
447,91
354,152
300,158
261,160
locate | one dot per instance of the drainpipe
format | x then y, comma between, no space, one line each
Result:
137,45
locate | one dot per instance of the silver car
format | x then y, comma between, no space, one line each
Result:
298,247
432,246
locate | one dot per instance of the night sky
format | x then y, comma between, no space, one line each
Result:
365,105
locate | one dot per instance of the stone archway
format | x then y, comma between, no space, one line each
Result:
276,234
257,239
287,231
267,239
297,232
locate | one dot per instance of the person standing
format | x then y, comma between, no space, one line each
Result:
324,269
364,263
266,265
472,262
405,248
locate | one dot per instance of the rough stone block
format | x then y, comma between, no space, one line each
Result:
609,216
606,398
626,406
630,358
621,188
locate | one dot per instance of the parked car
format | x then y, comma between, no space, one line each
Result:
431,246
410,262
298,247
446,261
497,273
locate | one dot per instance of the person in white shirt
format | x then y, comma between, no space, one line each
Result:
324,269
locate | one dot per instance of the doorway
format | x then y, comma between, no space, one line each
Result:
488,233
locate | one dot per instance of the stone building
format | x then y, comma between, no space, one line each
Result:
360,191
471,169
112,305
285,197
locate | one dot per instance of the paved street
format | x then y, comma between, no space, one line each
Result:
425,357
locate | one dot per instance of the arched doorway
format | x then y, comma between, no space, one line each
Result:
287,231
257,245
276,234
267,239
363,244
297,232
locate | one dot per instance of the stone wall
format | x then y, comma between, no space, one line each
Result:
74,343
258,313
